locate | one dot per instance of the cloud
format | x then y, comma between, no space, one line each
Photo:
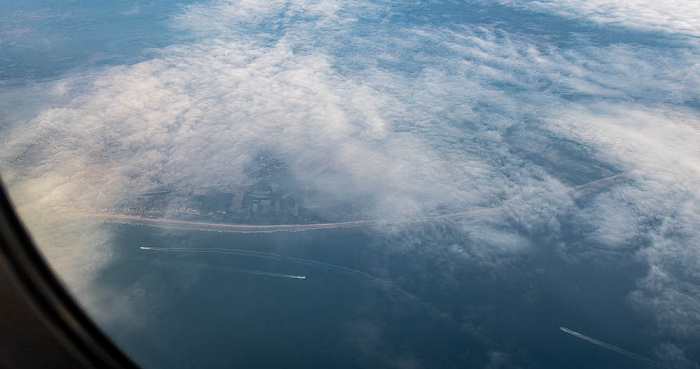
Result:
671,16
657,148
674,357
410,119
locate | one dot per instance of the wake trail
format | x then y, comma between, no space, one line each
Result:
608,346
238,270
269,255
264,255
269,274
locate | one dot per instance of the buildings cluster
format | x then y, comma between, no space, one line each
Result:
262,203
266,202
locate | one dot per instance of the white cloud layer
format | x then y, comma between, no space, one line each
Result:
411,117
672,16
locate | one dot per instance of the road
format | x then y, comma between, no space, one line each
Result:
187,224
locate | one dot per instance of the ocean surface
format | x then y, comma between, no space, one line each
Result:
563,133
363,303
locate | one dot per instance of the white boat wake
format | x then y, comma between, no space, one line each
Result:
269,274
237,270
268,255
608,346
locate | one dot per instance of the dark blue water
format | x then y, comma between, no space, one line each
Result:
392,306
371,298
42,39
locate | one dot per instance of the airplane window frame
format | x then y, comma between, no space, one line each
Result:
41,324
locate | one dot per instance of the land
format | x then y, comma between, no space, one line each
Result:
213,226
275,203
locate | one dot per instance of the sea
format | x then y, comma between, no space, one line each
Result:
364,302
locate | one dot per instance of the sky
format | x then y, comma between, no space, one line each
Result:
414,106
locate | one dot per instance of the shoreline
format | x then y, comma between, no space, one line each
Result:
250,228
